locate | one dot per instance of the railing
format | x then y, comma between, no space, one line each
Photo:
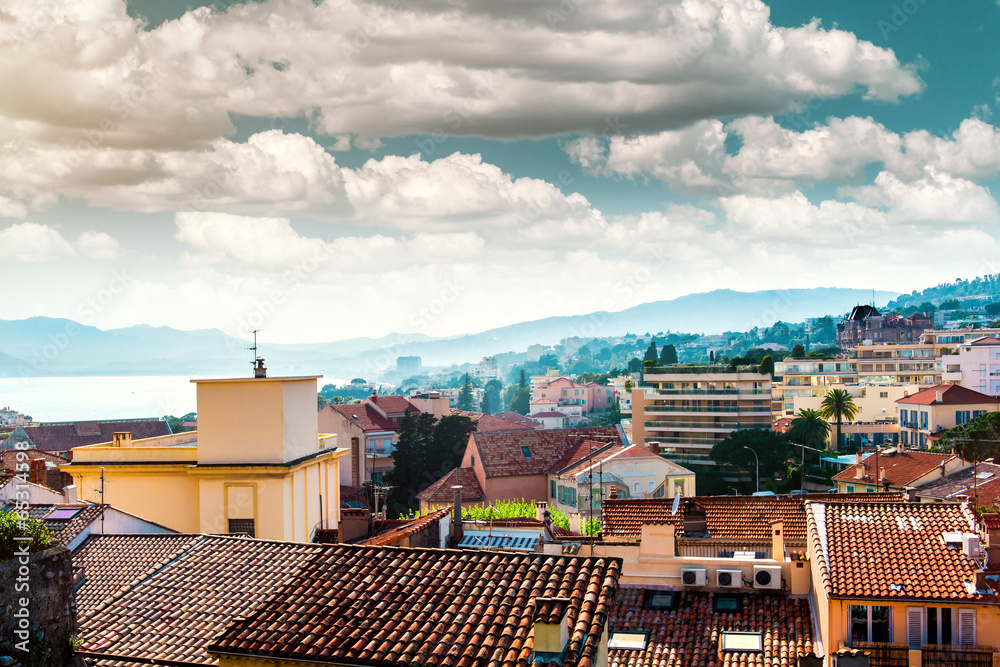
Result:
705,392
687,425
698,370
931,655
708,408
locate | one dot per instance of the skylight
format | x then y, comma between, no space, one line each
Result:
526,452
62,513
727,603
622,640
742,641
660,600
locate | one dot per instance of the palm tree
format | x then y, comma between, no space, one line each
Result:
838,404
810,428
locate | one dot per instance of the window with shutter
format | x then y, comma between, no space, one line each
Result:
914,627
967,626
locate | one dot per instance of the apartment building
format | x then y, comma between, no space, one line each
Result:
925,415
808,378
590,397
876,422
975,365
688,409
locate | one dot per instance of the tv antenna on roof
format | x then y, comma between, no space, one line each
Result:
259,369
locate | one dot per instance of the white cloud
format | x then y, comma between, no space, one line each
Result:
32,242
98,245
256,241
934,198
794,217
12,209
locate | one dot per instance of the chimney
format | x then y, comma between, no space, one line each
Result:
259,369
353,524
910,494
939,396
540,508
69,494
456,516
655,448
574,523
551,629
858,459
37,471
121,439
777,541
942,466
613,493
859,471
980,580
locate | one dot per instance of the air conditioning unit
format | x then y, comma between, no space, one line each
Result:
694,576
767,576
970,545
729,578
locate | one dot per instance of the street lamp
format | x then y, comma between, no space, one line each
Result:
757,469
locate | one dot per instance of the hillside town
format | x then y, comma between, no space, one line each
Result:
835,506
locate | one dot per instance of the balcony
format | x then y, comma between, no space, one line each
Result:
931,655
712,392
728,409
705,426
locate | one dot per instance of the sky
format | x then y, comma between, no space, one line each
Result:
327,170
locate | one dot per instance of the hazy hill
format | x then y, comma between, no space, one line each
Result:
50,346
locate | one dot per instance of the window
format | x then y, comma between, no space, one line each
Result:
849,488
940,625
651,486
62,513
621,640
662,600
635,488
742,641
728,603
526,452
870,624
883,394
962,417
552,488
242,526
472,460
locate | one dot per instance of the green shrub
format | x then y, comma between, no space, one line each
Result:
12,526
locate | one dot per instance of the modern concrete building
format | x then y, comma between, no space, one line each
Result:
807,378
688,409
975,365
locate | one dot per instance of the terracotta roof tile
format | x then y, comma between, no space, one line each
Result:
985,486
63,531
893,550
502,452
730,517
490,423
13,457
392,534
112,563
901,468
519,419
691,634
951,394
365,416
441,491
177,610
359,605
62,436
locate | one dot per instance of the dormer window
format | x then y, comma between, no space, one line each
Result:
526,452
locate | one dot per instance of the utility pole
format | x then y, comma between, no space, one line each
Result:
757,468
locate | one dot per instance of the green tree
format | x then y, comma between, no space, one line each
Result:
810,428
410,461
491,397
668,355
978,439
766,365
993,309
651,354
634,365
838,404
12,531
772,450
446,447
465,394
798,351
321,401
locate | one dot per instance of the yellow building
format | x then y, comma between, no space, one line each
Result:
256,465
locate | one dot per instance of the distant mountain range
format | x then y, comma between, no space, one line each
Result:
51,347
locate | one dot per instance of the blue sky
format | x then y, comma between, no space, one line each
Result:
325,170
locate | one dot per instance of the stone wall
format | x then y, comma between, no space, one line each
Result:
44,627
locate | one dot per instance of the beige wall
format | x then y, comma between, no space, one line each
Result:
167,495
529,487
256,420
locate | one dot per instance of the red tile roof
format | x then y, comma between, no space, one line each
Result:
393,405
584,451
393,535
63,436
985,487
175,611
12,457
502,455
726,517
985,340
490,423
365,416
547,415
692,633
951,394
63,532
519,419
441,491
901,468
112,563
893,550
358,605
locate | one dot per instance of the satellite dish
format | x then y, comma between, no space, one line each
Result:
677,503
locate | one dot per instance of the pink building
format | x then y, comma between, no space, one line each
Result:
591,397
